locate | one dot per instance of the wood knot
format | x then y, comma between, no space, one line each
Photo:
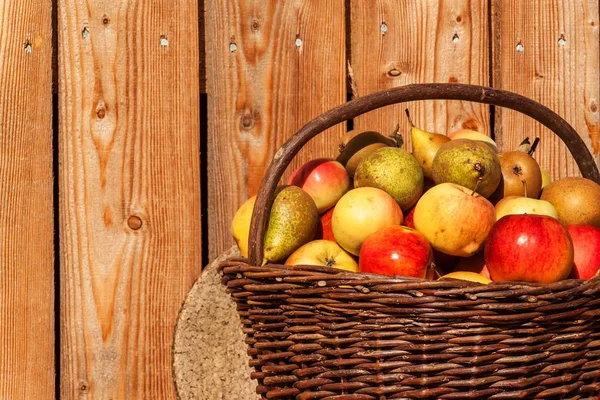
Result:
84,387
394,72
134,222
255,26
452,79
105,20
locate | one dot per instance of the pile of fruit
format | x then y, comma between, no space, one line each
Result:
455,207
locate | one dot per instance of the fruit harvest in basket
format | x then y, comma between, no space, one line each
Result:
454,207
440,272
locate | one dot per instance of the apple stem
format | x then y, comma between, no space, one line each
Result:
409,117
330,261
533,146
476,186
397,137
524,182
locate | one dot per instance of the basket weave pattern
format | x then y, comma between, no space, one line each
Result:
319,333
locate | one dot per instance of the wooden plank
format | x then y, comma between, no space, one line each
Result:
129,191
549,52
273,66
26,209
399,42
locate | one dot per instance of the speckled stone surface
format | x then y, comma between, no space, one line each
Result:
209,354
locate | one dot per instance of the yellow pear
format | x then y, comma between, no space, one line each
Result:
293,222
425,146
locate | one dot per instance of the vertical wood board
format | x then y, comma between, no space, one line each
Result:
26,209
549,51
399,42
129,191
273,66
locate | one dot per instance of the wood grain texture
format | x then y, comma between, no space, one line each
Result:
398,42
26,210
549,51
273,66
129,191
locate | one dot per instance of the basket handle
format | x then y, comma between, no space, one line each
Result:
414,92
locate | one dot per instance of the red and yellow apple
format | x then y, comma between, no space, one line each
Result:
323,252
473,135
454,219
529,248
586,246
361,212
396,251
324,228
324,179
524,205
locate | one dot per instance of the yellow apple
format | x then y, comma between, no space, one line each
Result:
524,205
474,135
323,252
467,276
361,212
454,219
240,225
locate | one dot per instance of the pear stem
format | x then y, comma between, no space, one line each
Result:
409,117
476,186
524,182
533,146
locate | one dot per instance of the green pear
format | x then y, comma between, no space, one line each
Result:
394,171
292,223
469,163
425,146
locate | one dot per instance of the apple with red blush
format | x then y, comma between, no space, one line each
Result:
396,251
324,230
528,248
586,245
324,179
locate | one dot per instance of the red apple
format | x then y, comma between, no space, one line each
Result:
409,220
324,228
325,253
529,248
396,251
324,179
586,245
361,212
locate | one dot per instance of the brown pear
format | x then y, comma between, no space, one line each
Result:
518,166
356,145
577,200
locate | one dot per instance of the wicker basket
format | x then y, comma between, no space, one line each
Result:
323,333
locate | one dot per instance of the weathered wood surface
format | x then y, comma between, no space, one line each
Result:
210,359
398,42
129,191
273,66
549,51
26,209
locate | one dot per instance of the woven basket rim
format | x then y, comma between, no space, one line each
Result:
372,278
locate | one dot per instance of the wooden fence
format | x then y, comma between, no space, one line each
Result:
113,193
